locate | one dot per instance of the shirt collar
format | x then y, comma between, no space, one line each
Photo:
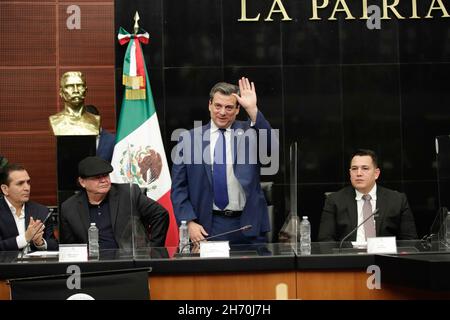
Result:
373,193
214,128
13,209
102,203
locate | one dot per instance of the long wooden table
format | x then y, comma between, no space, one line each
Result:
279,275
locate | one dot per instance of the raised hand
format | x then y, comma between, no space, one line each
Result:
247,98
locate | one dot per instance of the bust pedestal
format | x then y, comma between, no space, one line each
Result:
69,151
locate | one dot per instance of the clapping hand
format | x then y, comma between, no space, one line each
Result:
35,232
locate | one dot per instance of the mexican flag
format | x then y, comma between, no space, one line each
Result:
139,155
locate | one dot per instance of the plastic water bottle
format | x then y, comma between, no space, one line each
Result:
93,241
184,237
305,236
447,230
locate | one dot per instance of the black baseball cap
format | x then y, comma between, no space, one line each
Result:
93,166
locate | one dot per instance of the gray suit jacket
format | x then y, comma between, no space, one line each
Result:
74,216
340,215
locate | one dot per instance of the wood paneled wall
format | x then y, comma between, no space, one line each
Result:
36,47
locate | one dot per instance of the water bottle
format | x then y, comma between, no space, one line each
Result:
184,237
305,236
447,230
93,241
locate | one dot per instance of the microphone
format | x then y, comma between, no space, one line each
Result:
374,214
28,242
247,227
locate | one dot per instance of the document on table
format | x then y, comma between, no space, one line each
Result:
42,254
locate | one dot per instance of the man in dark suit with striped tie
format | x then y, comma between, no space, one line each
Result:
350,206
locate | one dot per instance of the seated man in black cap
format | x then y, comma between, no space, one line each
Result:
110,206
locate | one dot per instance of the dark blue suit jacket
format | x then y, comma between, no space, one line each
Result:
8,228
106,145
192,189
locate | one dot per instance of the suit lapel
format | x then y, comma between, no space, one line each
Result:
203,142
83,210
28,213
100,142
7,218
113,199
382,207
237,132
352,210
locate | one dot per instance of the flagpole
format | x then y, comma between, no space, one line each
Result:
136,24
138,133
130,177
130,183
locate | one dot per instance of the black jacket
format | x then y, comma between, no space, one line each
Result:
340,215
74,216
8,228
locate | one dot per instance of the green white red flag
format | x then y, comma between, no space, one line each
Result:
139,155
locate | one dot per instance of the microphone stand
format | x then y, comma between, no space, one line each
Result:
374,214
247,227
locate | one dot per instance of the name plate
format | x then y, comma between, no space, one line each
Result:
381,245
73,253
214,249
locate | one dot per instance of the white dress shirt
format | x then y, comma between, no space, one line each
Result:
236,195
20,224
360,234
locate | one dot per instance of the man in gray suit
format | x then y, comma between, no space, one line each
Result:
345,209
110,206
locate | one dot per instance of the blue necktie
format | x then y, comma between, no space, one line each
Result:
220,172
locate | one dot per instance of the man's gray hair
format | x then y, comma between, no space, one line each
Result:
224,88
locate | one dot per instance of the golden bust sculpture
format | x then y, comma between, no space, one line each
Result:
74,120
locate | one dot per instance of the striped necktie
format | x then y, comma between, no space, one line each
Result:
369,225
